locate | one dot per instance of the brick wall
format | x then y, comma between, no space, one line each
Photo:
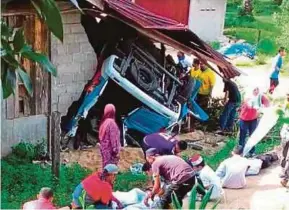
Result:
75,61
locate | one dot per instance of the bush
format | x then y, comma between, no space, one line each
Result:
261,59
215,45
266,46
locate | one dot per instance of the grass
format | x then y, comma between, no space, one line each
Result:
248,27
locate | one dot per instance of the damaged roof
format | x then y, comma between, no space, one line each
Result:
165,30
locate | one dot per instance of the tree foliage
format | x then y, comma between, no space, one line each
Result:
281,20
14,47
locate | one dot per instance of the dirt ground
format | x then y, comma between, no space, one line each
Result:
262,192
91,158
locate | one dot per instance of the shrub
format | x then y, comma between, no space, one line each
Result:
266,46
261,59
215,45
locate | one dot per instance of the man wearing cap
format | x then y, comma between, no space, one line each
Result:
97,188
207,176
177,172
164,144
44,200
232,171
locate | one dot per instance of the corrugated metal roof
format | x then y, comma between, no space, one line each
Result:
144,17
170,32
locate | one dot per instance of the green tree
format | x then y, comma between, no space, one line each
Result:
281,20
14,47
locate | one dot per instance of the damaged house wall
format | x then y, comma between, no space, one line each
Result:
75,61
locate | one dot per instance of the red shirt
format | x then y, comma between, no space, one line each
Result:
97,189
41,203
248,112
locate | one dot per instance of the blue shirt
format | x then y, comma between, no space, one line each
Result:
277,64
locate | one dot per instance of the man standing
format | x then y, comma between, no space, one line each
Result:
163,143
208,79
207,176
44,200
232,171
232,101
178,173
183,61
276,68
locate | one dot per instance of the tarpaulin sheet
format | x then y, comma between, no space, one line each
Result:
266,123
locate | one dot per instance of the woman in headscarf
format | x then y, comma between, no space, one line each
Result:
249,114
109,136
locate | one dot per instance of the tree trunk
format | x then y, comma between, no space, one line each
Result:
248,7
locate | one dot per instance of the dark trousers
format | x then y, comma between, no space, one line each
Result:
228,116
273,84
203,101
180,189
245,127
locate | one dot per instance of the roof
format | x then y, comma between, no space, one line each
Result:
169,32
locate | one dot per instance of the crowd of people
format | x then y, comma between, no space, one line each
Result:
170,172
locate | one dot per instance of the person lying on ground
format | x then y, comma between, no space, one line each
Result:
232,171
231,101
177,172
207,176
249,114
44,200
164,144
97,188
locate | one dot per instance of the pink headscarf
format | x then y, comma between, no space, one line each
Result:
109,113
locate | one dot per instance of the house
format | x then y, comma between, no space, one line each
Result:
204,18
29,119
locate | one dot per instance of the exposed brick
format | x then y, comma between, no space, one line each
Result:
61,49
73,48
79,57
72,67
76,28
88,75
79,38
90,56
79,76
69,38
71,18
86,47
62,59
88,66
66,29
65,78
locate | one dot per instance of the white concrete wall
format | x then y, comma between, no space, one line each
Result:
75,60
208,25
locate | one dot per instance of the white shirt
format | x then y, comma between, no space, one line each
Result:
209,177
232,172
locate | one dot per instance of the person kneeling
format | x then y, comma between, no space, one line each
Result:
96,189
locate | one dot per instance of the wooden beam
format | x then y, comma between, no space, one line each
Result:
55,141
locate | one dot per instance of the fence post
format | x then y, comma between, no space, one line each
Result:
55,142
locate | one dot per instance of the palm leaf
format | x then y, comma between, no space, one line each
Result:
175,201
206,199
193,197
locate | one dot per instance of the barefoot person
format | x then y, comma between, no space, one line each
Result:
276,68
109,137
177,172
44,200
